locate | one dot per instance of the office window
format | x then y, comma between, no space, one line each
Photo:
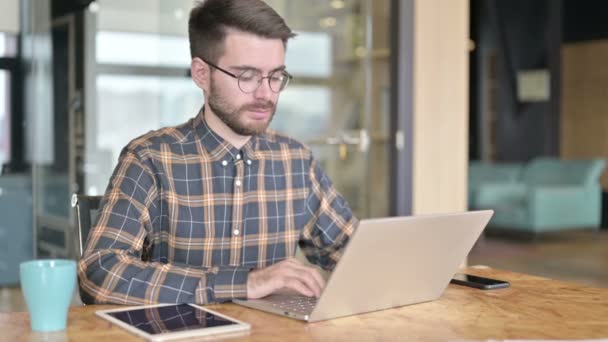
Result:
142,49
141,85
309,54
129,106
304,109
146,49
305,122
141,104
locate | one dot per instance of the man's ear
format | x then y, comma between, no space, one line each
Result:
200,73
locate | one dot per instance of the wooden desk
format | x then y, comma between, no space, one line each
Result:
532,308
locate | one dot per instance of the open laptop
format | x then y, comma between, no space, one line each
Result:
389,262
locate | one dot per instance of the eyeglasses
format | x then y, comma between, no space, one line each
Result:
250,80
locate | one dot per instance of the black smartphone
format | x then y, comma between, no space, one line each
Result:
478,282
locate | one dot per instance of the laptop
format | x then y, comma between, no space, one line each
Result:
389,262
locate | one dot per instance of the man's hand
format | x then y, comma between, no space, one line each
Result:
290,274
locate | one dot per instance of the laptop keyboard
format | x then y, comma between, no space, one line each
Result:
294,303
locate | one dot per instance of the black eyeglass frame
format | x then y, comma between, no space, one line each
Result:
238,78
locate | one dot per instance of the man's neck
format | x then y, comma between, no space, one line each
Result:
220,128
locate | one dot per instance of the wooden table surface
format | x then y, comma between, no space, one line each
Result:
532,308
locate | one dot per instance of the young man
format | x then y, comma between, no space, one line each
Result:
212,210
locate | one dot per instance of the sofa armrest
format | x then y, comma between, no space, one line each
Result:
565,205
492,195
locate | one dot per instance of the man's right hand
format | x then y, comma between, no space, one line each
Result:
287,274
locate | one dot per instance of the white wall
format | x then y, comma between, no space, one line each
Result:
9,16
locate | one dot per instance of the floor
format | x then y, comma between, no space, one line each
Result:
580,257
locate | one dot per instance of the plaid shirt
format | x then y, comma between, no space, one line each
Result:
206,213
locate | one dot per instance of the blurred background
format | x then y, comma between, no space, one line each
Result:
410,106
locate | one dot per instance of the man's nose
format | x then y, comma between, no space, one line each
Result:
263,91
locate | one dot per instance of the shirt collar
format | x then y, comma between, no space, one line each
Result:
217,147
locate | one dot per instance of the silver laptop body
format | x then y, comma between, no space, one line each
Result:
389,262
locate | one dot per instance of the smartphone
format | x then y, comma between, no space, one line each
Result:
478,282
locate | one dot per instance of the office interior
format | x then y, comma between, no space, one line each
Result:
407,117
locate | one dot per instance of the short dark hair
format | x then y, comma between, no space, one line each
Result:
210,19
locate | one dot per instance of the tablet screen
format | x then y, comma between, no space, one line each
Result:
171,318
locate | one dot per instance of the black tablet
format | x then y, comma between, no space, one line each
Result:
164,322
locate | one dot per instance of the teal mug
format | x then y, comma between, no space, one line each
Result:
48,287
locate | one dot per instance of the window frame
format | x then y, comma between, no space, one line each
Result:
12,64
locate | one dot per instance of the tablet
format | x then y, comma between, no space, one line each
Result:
162,322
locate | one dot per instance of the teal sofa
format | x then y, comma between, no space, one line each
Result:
481,173
550,195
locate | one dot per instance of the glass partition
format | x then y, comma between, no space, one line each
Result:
337,102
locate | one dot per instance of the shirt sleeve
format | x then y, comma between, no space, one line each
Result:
111,270
330,224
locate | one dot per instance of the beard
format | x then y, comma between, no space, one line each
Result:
234,117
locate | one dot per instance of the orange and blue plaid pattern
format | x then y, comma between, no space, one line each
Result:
206,214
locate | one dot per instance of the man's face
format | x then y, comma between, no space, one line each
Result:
245,113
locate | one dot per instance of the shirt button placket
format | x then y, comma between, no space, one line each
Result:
236,241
